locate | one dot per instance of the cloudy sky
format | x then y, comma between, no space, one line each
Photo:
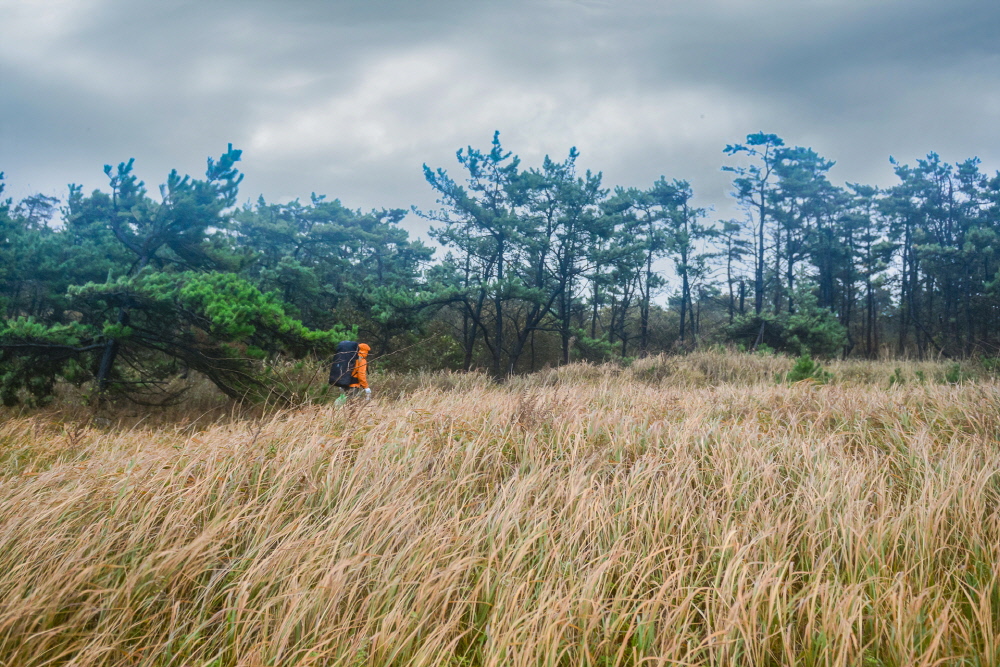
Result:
350,97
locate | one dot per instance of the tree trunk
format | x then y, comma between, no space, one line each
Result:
759,268
498,312
112,345
685,297
646,297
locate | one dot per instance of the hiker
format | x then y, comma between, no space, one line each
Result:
350,369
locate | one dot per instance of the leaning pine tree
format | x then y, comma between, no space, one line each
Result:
180,305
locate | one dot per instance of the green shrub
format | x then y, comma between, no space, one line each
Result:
809,330
955,374
807,369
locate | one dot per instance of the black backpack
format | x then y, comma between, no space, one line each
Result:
342,371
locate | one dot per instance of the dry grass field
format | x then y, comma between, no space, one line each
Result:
679,512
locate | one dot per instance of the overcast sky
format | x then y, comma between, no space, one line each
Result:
349,98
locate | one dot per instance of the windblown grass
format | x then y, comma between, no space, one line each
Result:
581,516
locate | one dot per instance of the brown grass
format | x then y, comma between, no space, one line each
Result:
580,516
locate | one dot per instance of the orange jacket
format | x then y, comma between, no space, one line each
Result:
361,366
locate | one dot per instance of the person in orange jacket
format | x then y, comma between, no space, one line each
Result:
361,371
350,368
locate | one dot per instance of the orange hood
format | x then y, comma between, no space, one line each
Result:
363,349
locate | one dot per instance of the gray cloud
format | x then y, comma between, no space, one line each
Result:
349,98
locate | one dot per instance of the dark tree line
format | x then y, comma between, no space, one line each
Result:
912,268
539,265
